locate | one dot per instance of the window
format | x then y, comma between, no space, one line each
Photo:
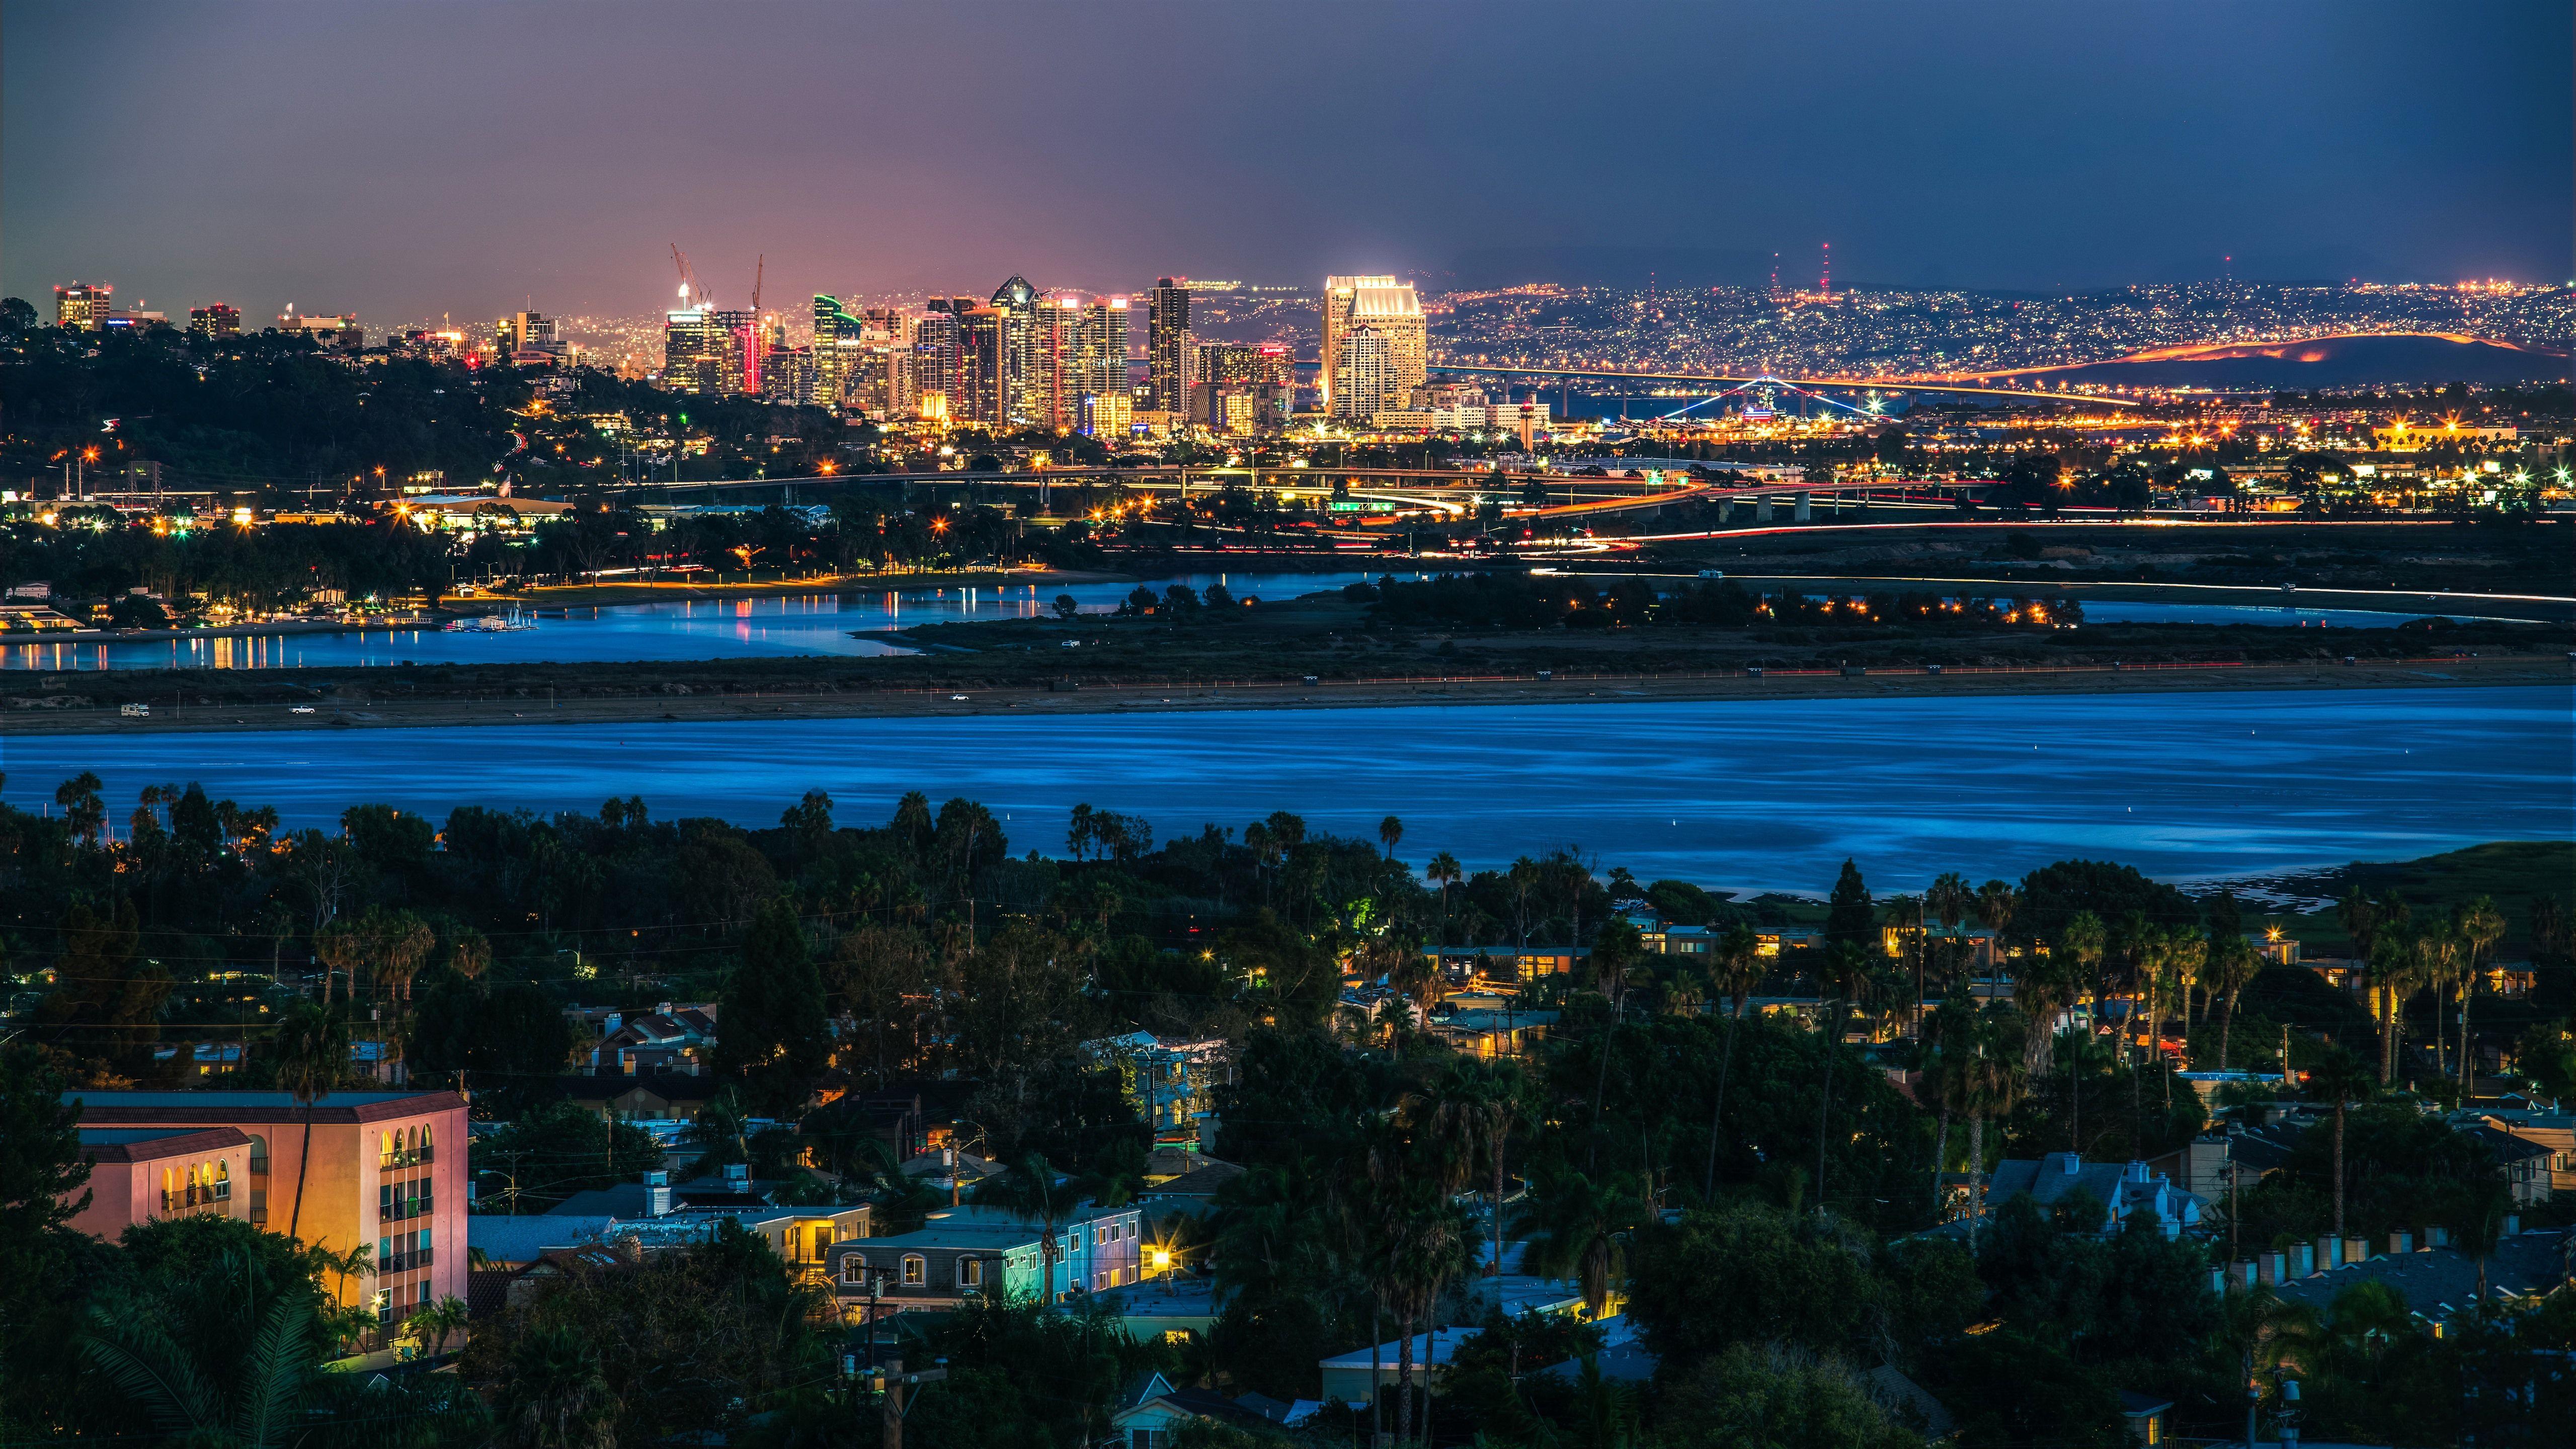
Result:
915,1270
854,1269
970,1272
1144,1439
259,1156
223,1182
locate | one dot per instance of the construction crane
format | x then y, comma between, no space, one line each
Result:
690,291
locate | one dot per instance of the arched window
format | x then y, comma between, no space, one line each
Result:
424,1142
223,1182
915,1270
169,1189
258,1154
970,1272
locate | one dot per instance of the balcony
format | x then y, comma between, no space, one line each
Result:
408,1156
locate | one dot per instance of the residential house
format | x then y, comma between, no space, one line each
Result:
374,1176
666,1040
1151,1412
1510,963
2148,1417
659,1097
2554,1132
1168,1082
1506,1032
2124,1192
962,1252
141,1174
1346,1375
2440,1283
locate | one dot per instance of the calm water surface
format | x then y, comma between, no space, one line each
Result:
1758,794
705,629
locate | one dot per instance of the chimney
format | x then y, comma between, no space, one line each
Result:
2217,1280
2275,1268
663,1007
2356,1250
2400,1241
738,1176
2324,1248
2437,1237
609,1024
2243,1273
657,1193
2305,1264
2512,1225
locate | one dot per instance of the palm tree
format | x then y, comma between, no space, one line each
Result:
1444,872
1390,830
1422,1248
1989,1072
1612,951
1578,1229
2341,1079
1468,1115
2439,963
1734,969
556,1397
2481,925
312,1050
1029,1187
1948,901
2232,967
179,1387
2390,975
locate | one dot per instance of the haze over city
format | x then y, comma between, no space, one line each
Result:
402,162
1287,725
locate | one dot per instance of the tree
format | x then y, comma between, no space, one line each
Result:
2232,966
184,1382
775,1039
1031,1188
1779,1397
2390,973
83,810
311,1052
1612,952
1848,917
2340,1078
41,1165
1578,1229
1734,969
2481,925
1389,831
1989,1073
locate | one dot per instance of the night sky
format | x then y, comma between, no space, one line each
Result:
405,160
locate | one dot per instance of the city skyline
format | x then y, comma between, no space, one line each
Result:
2009,148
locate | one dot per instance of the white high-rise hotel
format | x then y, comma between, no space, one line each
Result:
1396,346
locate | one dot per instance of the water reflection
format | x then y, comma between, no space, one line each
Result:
1758,794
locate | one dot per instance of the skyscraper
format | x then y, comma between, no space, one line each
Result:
82,307
706,351
1167,345
528,339
1101,350
1390,309
980,392
1365,373
215,319
934,358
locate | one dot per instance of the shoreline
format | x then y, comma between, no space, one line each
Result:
1201,696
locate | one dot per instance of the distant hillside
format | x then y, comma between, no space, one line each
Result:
1606,267
2325,362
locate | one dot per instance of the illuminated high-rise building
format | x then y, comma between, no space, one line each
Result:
528,339
1388,308
1055,352
979,390
215,319
1167,345
1365,374
707,351
1100,365
934,357
83,307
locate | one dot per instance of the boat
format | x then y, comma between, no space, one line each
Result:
491,623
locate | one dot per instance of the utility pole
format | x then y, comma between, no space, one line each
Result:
898,1397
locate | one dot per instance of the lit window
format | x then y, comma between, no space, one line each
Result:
915,1270
970,1272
